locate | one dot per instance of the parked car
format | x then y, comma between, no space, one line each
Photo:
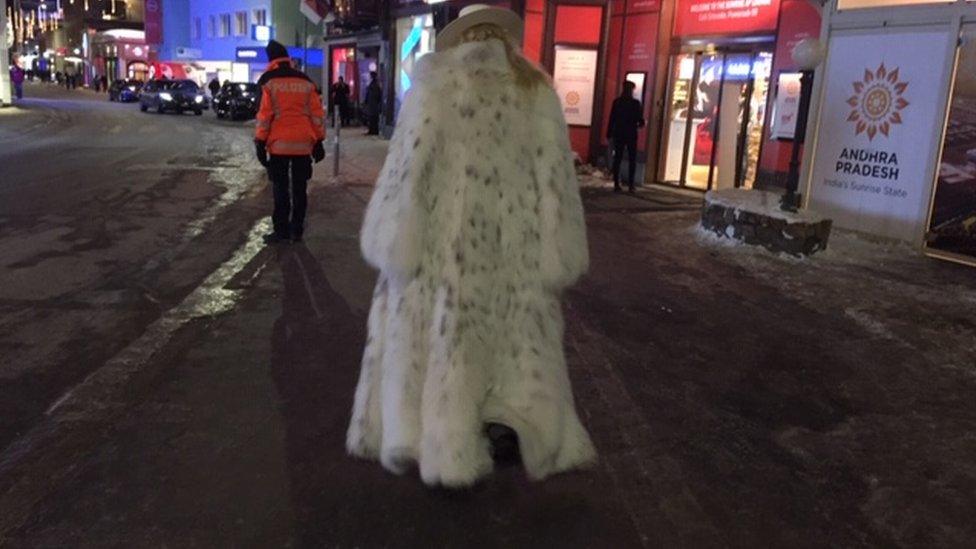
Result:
237,100
125,91
173,95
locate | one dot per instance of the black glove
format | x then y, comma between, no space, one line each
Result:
262,153
318,152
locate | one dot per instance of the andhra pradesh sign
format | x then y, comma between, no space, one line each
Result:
872,166
574,77
699,17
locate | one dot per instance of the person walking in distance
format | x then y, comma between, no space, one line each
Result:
374,104
288,137
626,117
340,100
214,87
17,79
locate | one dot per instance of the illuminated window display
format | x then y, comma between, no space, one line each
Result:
952,223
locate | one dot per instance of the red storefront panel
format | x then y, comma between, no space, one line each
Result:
535,5
578,24
639,6
799,20
611,84
532,38
712,17
638,55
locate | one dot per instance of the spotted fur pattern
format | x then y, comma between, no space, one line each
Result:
475,226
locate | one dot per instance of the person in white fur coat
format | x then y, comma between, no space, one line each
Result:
476,226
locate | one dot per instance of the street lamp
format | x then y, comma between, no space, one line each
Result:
807,54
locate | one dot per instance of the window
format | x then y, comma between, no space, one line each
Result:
212,32
224,25
240,23
196,28
261,16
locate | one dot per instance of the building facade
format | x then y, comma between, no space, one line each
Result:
203,40
355,47
88,39
709,75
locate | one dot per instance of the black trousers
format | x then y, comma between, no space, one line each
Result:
374,124
618,152
289,182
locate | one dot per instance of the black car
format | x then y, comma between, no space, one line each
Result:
237,100
172,95
125,91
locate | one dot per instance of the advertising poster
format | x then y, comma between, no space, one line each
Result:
574,77
952,226
786,106
879,112
698,17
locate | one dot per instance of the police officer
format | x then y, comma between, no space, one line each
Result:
288,137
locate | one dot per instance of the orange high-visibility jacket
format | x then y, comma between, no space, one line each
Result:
291,119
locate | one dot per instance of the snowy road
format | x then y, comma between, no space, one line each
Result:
99,204
167,381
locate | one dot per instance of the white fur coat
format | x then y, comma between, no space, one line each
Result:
476,225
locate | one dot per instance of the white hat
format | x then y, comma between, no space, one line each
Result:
479,14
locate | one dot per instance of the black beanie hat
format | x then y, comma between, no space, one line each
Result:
275,50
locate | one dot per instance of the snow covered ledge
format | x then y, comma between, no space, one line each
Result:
754,217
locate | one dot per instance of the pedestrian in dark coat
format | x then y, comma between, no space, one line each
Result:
626,117
214,87
17,79
340,99
374,104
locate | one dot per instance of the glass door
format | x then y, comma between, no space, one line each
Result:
683,81
716,110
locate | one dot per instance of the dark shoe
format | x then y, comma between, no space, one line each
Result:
617,189
274,238
504,444
631,190
296,236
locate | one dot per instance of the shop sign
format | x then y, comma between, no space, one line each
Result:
786,106
574,77
709,17
952,225
872,166
637,6
251,55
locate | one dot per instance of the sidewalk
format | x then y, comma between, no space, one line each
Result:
735,398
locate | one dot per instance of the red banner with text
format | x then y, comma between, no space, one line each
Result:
720,17
154,21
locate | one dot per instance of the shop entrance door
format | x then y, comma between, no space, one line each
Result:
714,122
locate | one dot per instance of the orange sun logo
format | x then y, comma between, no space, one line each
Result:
877,102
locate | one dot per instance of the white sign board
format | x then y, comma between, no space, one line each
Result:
872,169
787,106
574,76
